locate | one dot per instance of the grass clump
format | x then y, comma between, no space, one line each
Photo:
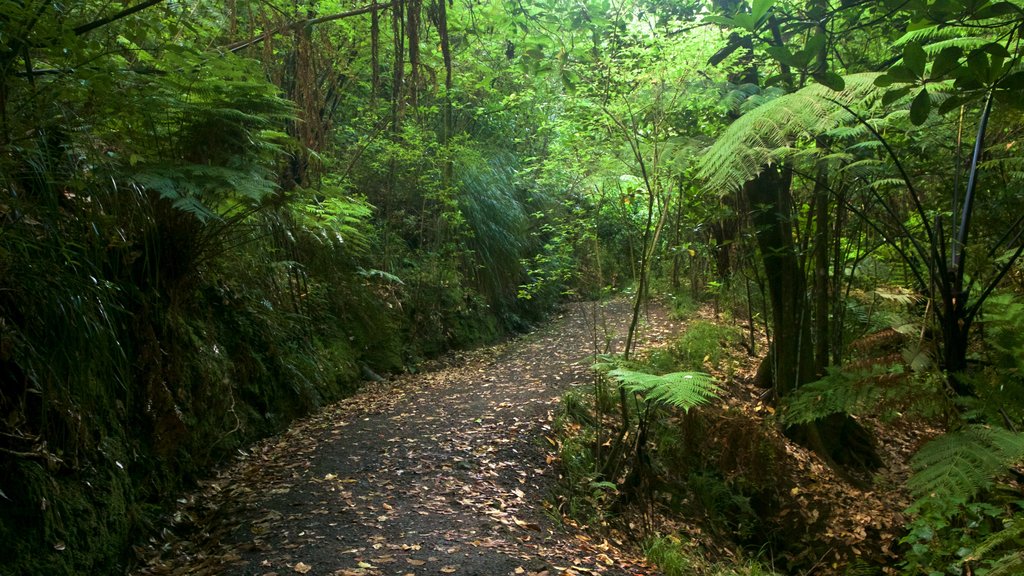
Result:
705,345
675,556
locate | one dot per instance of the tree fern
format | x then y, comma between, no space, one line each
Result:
680,389
955,467
765,135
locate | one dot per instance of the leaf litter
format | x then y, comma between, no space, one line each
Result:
441,472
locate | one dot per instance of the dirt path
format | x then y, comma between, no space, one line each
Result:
444,472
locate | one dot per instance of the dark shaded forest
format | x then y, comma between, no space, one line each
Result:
216,217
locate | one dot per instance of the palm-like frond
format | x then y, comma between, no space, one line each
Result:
765,135
956,467
680,389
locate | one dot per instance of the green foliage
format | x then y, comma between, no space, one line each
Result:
768,134
704,344
881,390
679,389
960,516
956,467
674,556
670,555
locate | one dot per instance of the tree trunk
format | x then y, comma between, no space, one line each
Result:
820,293
838,439
772,206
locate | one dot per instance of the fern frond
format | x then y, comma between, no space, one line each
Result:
887,183
765,134
1011,564
680,389
1011,535
881,386
955,467
929,35
898,294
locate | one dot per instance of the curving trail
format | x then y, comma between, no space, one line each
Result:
444,472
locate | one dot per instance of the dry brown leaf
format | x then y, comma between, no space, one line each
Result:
302,568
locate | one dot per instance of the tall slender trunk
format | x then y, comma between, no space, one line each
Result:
771,203
375,52
820,292
446,55
398,75
413,32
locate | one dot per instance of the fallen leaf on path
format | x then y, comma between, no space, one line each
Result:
302,568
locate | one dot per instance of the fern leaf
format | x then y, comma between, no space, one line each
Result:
765,134
954,468
1010,536
1011,564
680,389
928,35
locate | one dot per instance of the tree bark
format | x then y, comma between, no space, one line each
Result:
771,203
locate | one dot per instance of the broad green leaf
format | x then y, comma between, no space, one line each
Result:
1014,81
996,10
783,55
722,21
953,103
884,81
914,58
901,73
832,80
745,21
920,107
893,95
947,61
815,45
978,65
761,8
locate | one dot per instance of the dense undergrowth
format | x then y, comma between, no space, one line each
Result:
181,273
694,484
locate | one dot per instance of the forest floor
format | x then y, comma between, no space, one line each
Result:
443,472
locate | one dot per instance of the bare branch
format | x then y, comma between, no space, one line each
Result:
84,28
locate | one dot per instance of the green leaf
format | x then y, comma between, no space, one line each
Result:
815,46
996,10
832,80
900,73
680,389
884,81
1014,81
946,62
953,103
723,21
978,65
914,59
745,21
761,8
920,107
892,95
783,55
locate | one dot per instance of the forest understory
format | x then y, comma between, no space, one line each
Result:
219,219
459,470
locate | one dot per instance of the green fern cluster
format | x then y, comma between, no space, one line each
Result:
956,467
961,521
680,389
880,389
768,133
